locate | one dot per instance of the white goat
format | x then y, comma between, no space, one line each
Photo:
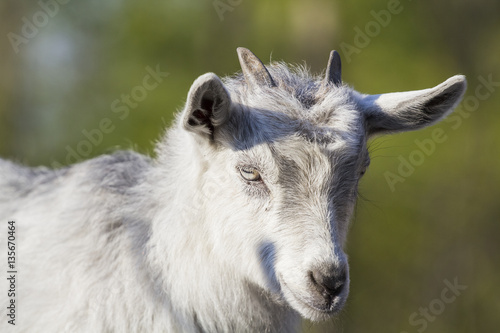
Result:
237,226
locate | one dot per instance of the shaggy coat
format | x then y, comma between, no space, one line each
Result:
237,225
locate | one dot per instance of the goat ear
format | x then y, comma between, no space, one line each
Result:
207,107
412,110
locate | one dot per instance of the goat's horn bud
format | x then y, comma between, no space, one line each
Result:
333,70
253,69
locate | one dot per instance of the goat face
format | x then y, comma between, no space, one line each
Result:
287,151
301,195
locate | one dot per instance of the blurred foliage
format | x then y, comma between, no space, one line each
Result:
442,222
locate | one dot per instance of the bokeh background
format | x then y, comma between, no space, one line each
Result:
429,215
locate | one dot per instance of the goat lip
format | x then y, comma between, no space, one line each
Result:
335,305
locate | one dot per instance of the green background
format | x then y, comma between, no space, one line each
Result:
439,223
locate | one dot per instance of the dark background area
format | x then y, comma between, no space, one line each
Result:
429,213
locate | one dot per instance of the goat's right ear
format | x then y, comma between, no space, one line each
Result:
207,107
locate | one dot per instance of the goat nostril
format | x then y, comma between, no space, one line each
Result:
328,285
336,288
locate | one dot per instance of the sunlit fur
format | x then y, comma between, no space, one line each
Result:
181,242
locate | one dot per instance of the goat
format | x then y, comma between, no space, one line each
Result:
238,224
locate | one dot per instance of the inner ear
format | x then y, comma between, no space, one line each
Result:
207,107
202,116
445,100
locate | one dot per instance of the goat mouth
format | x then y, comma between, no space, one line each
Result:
315,309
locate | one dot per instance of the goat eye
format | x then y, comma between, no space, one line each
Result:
250,174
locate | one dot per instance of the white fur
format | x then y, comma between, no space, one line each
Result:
182,243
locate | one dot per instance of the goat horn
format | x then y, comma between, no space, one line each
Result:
253,69
334,69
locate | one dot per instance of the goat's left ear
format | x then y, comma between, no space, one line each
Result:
412,110
207,107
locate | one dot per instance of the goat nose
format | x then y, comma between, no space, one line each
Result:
329,281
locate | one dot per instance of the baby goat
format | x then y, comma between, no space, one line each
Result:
237,225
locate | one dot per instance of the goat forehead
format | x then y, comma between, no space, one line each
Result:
342,130
297,139
300,153
335,104
297,156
